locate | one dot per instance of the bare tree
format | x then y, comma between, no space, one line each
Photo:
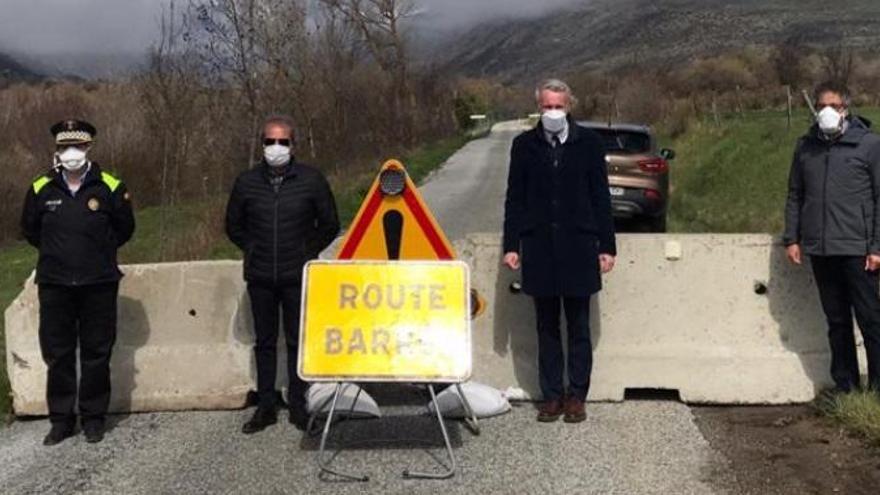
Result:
337,52
788,60
227,43
380,25
839,63
169,91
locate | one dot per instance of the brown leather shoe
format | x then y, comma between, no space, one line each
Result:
574,410
550,411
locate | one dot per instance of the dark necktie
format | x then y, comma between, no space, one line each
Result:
556,150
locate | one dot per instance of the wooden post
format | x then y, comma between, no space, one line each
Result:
739,107
788,96
715,112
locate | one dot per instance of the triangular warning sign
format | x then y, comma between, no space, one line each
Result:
394,223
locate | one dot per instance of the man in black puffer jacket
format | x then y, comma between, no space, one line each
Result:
281,214
833,215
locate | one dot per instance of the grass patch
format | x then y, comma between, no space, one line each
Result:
858,412
194,231
733,177
351,190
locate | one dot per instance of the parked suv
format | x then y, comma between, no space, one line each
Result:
638,174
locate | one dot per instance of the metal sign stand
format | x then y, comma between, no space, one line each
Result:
470,420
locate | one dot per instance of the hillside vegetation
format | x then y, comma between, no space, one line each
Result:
733,177
606,34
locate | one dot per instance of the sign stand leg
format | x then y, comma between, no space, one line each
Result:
323,462
470,418
450,471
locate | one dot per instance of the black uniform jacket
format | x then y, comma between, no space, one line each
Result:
557,214
77,235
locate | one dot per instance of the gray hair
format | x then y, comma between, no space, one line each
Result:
555,86
279,120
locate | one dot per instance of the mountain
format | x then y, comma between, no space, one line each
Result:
12,71
605,34
77,66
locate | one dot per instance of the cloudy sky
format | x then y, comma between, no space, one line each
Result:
77,26
129,26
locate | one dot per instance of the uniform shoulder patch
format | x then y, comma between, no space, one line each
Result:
112,182
40,183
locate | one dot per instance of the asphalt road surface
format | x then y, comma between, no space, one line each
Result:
629,448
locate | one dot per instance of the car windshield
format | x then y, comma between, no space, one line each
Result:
627,142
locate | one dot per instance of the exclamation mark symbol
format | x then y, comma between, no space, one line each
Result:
392,221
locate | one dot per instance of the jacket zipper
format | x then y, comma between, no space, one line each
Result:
75,205
825,201
277,187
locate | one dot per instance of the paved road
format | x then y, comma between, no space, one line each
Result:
634,447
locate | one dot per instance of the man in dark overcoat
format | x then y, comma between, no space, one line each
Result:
558,226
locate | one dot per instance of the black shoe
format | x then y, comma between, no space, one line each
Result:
263,417
58,434
299,416
93,431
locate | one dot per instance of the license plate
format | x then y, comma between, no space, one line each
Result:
616,191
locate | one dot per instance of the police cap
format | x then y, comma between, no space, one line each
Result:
73,132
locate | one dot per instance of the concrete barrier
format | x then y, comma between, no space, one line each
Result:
184,341
729,321
695,324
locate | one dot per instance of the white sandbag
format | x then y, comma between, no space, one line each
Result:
320,395
484,400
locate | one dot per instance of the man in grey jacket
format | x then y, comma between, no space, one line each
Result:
833,215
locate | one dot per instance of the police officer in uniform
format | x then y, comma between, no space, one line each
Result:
77,216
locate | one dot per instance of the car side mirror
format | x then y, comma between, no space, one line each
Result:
667,154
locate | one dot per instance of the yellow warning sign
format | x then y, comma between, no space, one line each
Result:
385,322
394,223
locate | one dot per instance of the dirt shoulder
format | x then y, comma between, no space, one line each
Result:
788,450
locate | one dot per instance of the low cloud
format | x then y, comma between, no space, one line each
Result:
78,26
56,27
463,14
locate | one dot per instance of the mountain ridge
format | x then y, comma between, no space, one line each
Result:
608,34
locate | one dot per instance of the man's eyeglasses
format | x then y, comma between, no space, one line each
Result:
835,106
272,142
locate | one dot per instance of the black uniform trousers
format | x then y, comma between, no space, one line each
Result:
71,316
846,287
551,362
266,299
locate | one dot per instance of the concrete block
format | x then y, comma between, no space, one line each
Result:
723,319
727,321
184,341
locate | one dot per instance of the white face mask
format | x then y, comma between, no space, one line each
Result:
554,121
277,155
72,159
830,121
